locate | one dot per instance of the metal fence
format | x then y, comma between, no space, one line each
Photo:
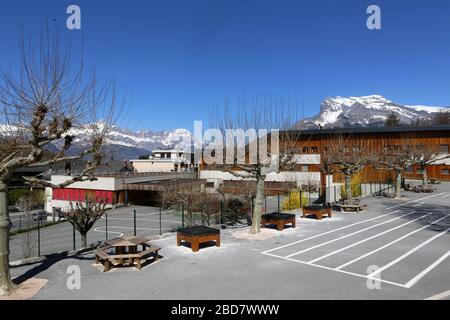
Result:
37,238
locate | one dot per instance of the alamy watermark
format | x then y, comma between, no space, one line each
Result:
73,281
231,146
73,21
373,282
374,20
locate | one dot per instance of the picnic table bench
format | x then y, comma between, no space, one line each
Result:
351,207
132,256
435,181
278,219
424,189
317,211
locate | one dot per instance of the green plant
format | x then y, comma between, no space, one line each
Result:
293,201
355,186
37,196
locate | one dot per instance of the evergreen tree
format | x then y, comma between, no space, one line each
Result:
392,120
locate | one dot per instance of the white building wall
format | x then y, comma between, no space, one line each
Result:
300,178
102,183
153,166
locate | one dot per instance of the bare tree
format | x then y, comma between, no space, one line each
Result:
397,156
184,194
425,155
83,216
43,103
25,204
259,159
348,155
442,118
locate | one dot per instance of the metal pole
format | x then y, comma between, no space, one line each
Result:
221,211
160,222
265,203
39,236
73,237
300,195
106,222
182,215
278,202
134,219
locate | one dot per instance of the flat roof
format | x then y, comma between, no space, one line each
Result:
372,130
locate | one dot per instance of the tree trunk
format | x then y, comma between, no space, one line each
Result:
398,184
424,176
259,204
6,285
348,186
83,240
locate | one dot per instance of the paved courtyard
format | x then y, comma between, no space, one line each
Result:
399,249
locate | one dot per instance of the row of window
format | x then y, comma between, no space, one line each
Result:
420,171
443,148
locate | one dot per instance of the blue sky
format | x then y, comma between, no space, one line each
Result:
177,59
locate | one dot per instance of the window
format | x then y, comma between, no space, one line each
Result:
209,185
305,150
443,148
305,168
314,150
445,171
410,169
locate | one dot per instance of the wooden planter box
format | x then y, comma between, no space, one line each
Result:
278,219
197,235
318,211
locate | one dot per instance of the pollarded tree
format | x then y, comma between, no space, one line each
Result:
83,215
252,141
348,155
425,155
44,103
184,193
397,156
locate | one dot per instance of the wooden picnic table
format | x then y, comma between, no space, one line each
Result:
126,248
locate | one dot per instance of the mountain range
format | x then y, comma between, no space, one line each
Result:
366,111
338,112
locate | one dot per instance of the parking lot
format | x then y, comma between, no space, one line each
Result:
399,249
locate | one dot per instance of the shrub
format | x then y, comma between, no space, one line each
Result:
355,185
293,201
37,196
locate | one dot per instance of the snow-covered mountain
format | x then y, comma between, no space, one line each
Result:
366,111
124,144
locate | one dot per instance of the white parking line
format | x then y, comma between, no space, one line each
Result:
407,254
367,239
440,296
414,280
347,235
328,232
412,201
389,244
331,269
419,204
